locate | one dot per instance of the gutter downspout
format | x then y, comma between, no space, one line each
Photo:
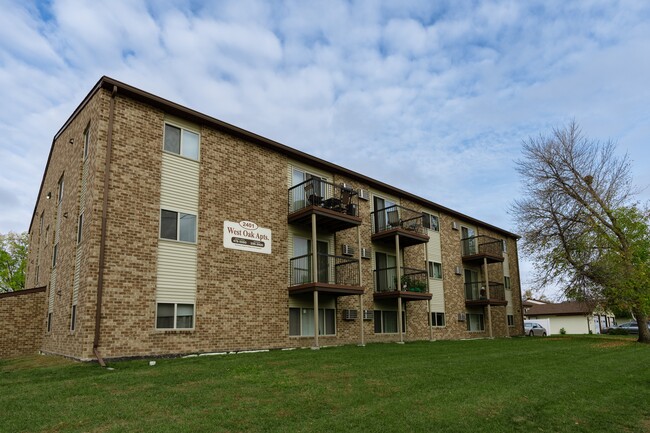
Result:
102,242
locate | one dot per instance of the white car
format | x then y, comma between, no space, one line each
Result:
534,329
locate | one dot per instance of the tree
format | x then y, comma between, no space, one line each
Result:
13,258
579,222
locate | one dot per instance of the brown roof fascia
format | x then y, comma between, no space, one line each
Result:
22,292
197,117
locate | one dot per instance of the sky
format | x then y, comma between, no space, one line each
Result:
434,97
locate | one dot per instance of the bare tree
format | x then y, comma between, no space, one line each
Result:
580,224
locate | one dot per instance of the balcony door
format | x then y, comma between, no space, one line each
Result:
302,268
471,284
386,271
381,213
469,241
310,191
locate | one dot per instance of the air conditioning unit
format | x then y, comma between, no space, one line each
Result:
368,314
454,225
458,271
349,314
347,250
462,317
365,253
364,194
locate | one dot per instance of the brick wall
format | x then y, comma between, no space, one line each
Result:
21,322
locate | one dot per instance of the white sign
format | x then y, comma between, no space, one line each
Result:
246,236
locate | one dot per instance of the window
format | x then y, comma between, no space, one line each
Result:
40,226
60,195
430,221
438,319
504,245
511,320
435,270
386,322
301,322
181,142
49,321
80,228
54,255
73,317
506,283
475,322
177,226
86,140
175,316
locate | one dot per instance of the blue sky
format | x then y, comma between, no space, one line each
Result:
433,97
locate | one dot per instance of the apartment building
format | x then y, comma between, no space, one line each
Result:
160,230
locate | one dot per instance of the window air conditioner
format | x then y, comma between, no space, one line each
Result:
365,253
461,317
364,194
349,314
347,250
457,270
368,314
454,225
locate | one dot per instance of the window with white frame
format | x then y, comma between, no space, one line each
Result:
174,316
504,245
86,139
386,321
430,221
511,320
301,322
181,141
60,195
73,318
506,283
437,319
80,228
55,253
177,226
475,322
435,270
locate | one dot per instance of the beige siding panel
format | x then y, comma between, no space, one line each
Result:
434,248
182,123
383,195
77,275
50,301
438,295
177,265
509,309
179,186
506,265
306,168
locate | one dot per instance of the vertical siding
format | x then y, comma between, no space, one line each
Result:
434,250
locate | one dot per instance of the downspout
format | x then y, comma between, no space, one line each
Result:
102,241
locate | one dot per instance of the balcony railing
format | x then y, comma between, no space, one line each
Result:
482,245
412,280
320,193
330,270
397,217
477,291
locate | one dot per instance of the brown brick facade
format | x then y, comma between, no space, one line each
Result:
21,319
242,298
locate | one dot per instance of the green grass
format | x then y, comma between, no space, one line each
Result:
587,384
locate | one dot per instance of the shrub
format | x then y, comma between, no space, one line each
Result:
562,331
617,331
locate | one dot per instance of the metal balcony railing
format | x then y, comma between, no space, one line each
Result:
320,193
397,217
477,291
330,270
412,280
482,245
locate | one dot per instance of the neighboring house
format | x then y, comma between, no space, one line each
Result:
574,316
159,230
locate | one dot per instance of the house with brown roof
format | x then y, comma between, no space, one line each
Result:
576,317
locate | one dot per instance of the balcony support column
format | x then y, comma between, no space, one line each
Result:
426,267
487,294
314,276
360,285
398,272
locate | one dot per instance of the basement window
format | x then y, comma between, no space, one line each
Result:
174,316
438,319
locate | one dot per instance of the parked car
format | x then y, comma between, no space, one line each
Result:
630,327
534,329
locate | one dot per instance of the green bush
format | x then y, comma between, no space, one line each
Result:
562,331
617,331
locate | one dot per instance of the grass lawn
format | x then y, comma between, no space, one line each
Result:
591,383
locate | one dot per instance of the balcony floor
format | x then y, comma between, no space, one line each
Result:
484,302
478,258
406,237
326,219
333,289
407,296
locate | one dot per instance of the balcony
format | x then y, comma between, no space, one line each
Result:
335,274
336,207
477,295
477,248
413,284
397,220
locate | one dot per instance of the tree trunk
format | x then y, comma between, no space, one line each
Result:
644,332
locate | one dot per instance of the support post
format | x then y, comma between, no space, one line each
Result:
314,275
362,343
426,267
398,272
487,294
